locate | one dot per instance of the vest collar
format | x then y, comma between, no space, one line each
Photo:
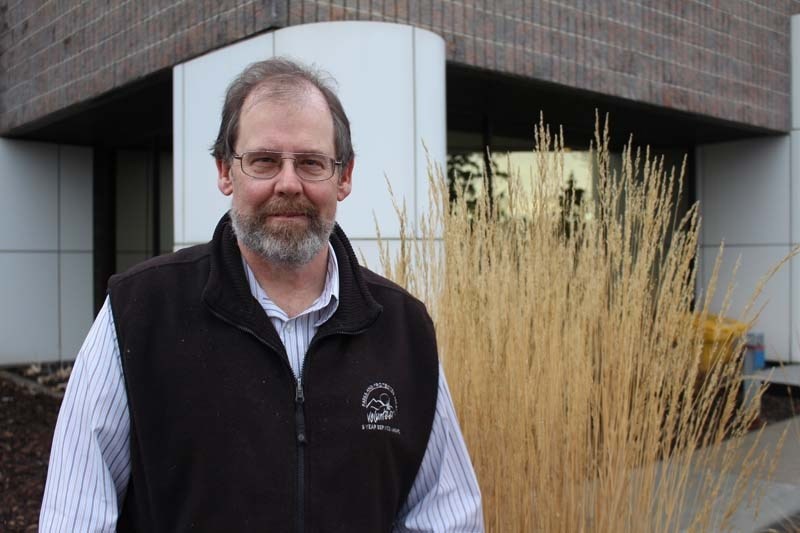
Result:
228,295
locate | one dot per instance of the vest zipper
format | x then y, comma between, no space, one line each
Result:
299,416
300,426
299,408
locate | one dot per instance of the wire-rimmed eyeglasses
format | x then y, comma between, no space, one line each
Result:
266,164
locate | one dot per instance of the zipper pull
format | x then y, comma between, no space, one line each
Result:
300,418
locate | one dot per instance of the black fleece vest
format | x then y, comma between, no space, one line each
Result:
223,439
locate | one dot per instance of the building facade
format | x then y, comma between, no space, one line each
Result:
106,108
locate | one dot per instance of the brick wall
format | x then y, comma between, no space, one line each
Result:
727,59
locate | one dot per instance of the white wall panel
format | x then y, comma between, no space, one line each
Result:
795,70
747,200
746,191
76,286
794,326
179,153
430,111
374,66
199,204
756,261
29,328
29,202
76,301
45,297
75,223
794,186
391,82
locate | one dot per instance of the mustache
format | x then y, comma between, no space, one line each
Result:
283,206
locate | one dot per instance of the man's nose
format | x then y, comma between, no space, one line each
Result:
287,181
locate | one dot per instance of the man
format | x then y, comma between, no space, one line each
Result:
263,381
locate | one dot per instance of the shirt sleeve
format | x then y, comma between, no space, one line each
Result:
445,497
89,465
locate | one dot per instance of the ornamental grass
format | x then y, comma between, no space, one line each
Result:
572,344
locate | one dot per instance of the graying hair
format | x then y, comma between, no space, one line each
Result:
283,78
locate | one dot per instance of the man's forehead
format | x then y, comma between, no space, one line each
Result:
292,95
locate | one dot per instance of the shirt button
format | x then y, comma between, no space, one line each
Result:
288,327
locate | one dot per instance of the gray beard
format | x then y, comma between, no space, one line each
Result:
282,245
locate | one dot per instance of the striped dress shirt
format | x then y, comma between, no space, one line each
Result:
90,467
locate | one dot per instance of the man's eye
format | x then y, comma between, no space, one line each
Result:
264,160
311,163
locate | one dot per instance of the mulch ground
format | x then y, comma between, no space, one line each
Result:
27,420
28,417
779,403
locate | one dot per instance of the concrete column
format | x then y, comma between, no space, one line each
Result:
391,82
794,187
744,200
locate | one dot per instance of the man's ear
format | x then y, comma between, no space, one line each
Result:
345,184
224,178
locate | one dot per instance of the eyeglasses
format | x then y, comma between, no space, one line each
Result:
266,165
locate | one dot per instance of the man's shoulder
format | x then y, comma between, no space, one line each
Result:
163,264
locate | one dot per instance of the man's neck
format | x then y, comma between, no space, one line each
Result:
292,288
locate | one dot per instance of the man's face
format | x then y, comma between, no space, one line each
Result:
284,219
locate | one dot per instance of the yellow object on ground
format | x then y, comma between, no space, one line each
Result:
721,336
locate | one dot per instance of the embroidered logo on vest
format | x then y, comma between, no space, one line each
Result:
380,407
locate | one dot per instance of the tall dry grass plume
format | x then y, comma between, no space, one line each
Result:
572,352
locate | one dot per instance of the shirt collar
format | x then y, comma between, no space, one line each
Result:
324,306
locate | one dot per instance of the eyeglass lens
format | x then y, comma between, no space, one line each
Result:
266,165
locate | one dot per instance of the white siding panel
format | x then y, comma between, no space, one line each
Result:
29,203
29,329
75,221
774,301
76,302
746,191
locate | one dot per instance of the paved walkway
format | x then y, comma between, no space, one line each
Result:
780,507
781,499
